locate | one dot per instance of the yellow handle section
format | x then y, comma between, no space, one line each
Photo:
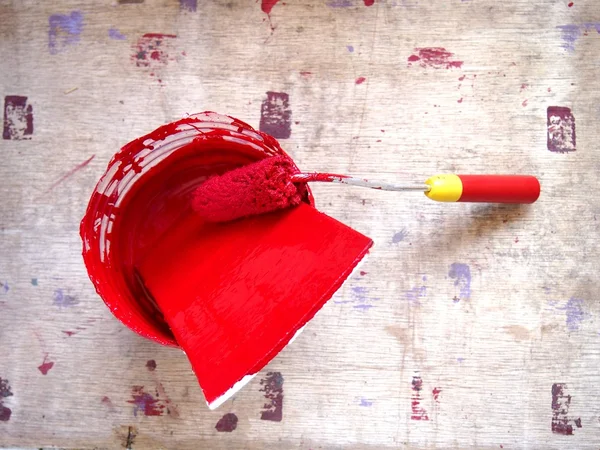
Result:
444,188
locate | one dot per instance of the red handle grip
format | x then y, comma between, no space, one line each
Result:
499,188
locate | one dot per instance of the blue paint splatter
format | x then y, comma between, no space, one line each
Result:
339,4
350,48
359,298
461,273
365,402
34,282
115,34
63,300
64,31
460,360
572,32
399,236
415,294
4,287
188,5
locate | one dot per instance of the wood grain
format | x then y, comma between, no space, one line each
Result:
493,343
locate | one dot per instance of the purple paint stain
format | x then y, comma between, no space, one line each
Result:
574,312
561,421
461,274
5,391
227,423
339,3
188,5
460,360
276,115
144,402
399,236
561,130
63,300
365,402
115,34
5,287
18,118
64,31
151,365
415,294
273,389
572,32
350,48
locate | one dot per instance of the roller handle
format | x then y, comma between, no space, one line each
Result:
484,188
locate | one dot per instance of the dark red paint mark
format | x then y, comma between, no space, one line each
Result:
70,333
561,422
152,51
276,115
5,391
524,104
461,78
227,423
70,173
360,80
267,5
523,87
363,273
436,394
151,365
561,129
273,389
369,2
46,365
434,57
145,402
460,100
18,118
570,4
417,411
106,401
188,5
306,74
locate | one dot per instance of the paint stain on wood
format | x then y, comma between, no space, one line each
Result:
46,365
273,389
561,129
188,5
145,402
5,391
436,394
267,5
151,365
434,57
18,118
418,412
63,300
562,423
360,80
518,332
153,51
64,31
276,115
227,423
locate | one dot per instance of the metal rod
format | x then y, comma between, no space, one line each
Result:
362,182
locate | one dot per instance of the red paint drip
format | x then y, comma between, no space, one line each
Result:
70,333
434,57
417,411
267,5
46,365
360,80
71,172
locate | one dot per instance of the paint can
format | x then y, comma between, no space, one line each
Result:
144,193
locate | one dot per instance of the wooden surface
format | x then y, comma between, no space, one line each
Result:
472,326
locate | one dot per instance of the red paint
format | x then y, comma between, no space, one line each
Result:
460,100
524,104
71,172
369,2
561,129
227,423
363,273
305,74
151,365
145,402
267,5
461,78
436,394
264,277
153,50
273,389
5,412
499,188
360,80
561,402
18,118
254,189
434,57
570,4
46,365
417,411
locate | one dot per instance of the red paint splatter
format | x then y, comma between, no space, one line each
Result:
434,57
570,4
417,411
105,400
436,394
561,129
152,51
461,78
305,73
145,402
5,391
523,87
516,240
273,389
360,80
70,173
227,423
561,422
369,2
151,365
70,333
46,365
524,104
460,100
267,5
276,115
363,273
549,90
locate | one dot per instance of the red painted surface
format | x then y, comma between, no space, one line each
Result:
257,188
499,188
267,5
234,294
434,57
